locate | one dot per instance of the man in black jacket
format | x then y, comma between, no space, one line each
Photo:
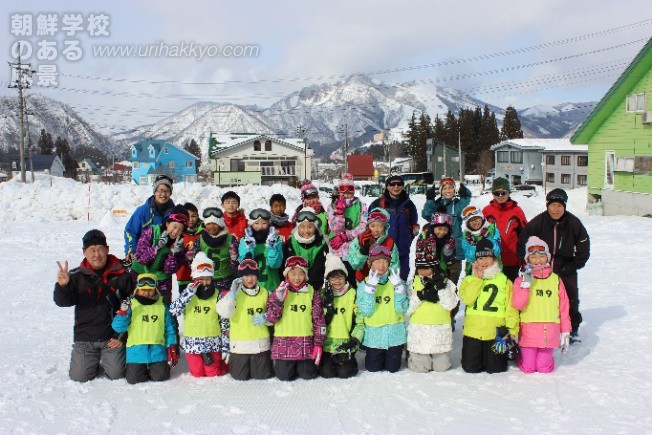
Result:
569,246
96,289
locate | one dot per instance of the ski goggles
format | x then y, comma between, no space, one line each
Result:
212,211
441,219
377,216
446,182
296,261
470,210
309,192
204,267
500,193
147,281
346,189
536,249
178,217
248,265
307,216
260,213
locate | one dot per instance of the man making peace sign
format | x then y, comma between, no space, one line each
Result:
96,289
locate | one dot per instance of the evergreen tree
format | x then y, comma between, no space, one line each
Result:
425,132
412,136
451,131
64,153
439,130
511,125
45,144
193,148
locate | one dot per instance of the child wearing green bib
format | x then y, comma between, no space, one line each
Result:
432,297
152,341
307,241
344,328
262,243
382,301
487,294
205,334
295,309
249,337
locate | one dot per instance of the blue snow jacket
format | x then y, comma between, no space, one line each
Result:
453,207
144,216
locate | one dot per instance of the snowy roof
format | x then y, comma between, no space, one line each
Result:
158,147
90,164
543,145
40,162
225,142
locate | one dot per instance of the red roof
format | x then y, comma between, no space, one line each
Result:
361,165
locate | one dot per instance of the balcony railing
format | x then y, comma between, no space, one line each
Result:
278,171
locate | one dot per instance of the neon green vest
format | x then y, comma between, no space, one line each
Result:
428,313
246,306
543,304
352,215
147,323
384,312
308,254
200,319
268,277
342,323
221,257
159,261
492,298
323,222
296,320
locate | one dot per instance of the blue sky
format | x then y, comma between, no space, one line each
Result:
310,39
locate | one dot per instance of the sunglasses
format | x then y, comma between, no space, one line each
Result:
146,282
260,213
536,249
347,189
396,184
500,193
306,216
296,261
212,211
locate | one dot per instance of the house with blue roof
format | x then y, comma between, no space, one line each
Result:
150,158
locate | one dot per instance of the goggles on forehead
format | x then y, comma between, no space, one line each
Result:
536,249
347,189
441,219
212,211
296,261
260,213
147,281
306,216
204,266
310,192
179,217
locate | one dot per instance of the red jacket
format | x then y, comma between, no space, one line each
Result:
509,220
236,224
184,271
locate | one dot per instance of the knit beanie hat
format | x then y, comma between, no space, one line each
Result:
178,214
557,195
426,253
346,182
500,183
471,212
248,266
535,244
298,262
484,248
334,264
93,237
202,266
379,251
393,178
446,182
308,189
162,180
378,215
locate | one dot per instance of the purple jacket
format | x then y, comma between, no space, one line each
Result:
146,253
296,348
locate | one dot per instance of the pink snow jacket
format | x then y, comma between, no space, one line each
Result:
539,334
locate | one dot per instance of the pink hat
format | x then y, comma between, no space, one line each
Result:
308,189
347,180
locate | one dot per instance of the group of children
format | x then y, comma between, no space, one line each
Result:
273,298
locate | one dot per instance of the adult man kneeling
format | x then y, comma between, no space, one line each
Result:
96,289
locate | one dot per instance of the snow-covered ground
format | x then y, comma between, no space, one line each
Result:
603,385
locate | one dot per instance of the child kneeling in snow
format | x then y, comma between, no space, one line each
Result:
205,334
541,297
245,306
490,317
382,301
296,310
152,340
345,329
432,297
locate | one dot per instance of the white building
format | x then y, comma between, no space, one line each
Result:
258,159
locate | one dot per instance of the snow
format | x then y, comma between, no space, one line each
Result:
602,385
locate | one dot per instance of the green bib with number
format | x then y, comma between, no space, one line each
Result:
242,324
200,319
384,312
221,257
428,313
543,304
268,277
492,298
323,222
352,215
159,261
147,323
308,254
296,320
342,323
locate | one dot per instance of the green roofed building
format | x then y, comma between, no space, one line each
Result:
618,133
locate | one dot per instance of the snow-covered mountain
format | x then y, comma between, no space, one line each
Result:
55,117
559,120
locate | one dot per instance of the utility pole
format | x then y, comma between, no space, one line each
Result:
459,151
345,129
29,140
19,70
301,132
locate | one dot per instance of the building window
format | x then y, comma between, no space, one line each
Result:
550,160
257,145
188,163
165,150
134,153
268,145
636,102
13,165
517,156
143,179
581,180
502,156
565,179
565,160
609,157
171,164
550,177
582,160
136,165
